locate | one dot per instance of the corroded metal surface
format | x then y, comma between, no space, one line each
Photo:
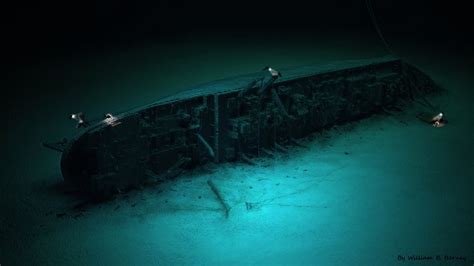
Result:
233,119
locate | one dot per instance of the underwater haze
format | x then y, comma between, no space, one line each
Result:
385,190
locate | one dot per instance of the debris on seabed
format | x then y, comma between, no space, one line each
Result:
216,191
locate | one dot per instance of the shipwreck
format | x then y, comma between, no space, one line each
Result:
235,119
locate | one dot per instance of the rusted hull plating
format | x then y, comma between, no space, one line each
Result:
162,140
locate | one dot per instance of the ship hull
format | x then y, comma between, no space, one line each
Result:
233,120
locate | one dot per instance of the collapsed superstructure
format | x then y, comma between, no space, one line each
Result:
233,119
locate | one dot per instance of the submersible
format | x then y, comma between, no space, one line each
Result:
234,119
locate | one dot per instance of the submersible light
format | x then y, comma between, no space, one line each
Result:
438,120
272,71
80,118
111,120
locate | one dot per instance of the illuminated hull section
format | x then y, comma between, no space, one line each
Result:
233,120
